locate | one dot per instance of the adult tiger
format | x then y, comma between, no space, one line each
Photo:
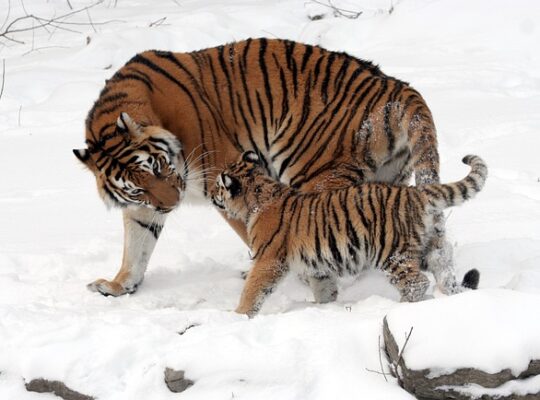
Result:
318,119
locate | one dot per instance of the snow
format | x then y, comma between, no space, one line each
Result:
448,330
477,65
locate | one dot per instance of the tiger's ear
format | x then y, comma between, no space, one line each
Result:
231,184
83,155
125,124
251,157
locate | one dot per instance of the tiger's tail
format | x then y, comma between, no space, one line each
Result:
442,196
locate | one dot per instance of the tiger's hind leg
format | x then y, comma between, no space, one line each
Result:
142,228
261,282
324,288
404,273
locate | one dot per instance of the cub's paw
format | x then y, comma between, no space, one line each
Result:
246,311
110,288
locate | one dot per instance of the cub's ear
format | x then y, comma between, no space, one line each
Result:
125,124
84,156
231,184
251,157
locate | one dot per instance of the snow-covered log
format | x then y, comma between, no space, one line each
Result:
489,349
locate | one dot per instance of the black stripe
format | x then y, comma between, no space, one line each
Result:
119,77
154,228
264,121
306,57
267,89
214,80
243,78
387,129
326,79
223,66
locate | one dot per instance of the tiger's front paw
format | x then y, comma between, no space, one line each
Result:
111,288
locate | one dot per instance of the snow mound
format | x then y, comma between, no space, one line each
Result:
489,330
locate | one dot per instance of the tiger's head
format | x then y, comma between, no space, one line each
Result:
137,166
240,187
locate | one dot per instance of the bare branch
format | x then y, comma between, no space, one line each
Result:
90,19
7,16
69,4
3,77
157,22
339,12
380,359
400,356
57,22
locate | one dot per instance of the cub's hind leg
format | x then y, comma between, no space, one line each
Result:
324,288
261,281
404,273
439,260
142,228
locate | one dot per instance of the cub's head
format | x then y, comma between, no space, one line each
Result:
235,183
136,165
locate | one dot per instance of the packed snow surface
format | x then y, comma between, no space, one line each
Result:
477,65
494,325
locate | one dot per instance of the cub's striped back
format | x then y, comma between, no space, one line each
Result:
337,232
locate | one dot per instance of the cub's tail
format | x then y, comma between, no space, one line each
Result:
442,196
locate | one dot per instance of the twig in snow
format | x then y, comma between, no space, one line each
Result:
157,22
69,4
187,328
339,12
400,356
381,372
380,359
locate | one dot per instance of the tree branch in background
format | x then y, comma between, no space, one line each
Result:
3,77
10,29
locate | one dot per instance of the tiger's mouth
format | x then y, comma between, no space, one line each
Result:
218,202
164,210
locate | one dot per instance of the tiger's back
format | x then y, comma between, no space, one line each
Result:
312,114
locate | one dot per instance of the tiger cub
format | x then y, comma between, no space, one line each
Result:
331,233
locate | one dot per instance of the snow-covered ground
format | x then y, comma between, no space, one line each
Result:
476,63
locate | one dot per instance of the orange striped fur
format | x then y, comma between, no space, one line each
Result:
318,119
336,232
